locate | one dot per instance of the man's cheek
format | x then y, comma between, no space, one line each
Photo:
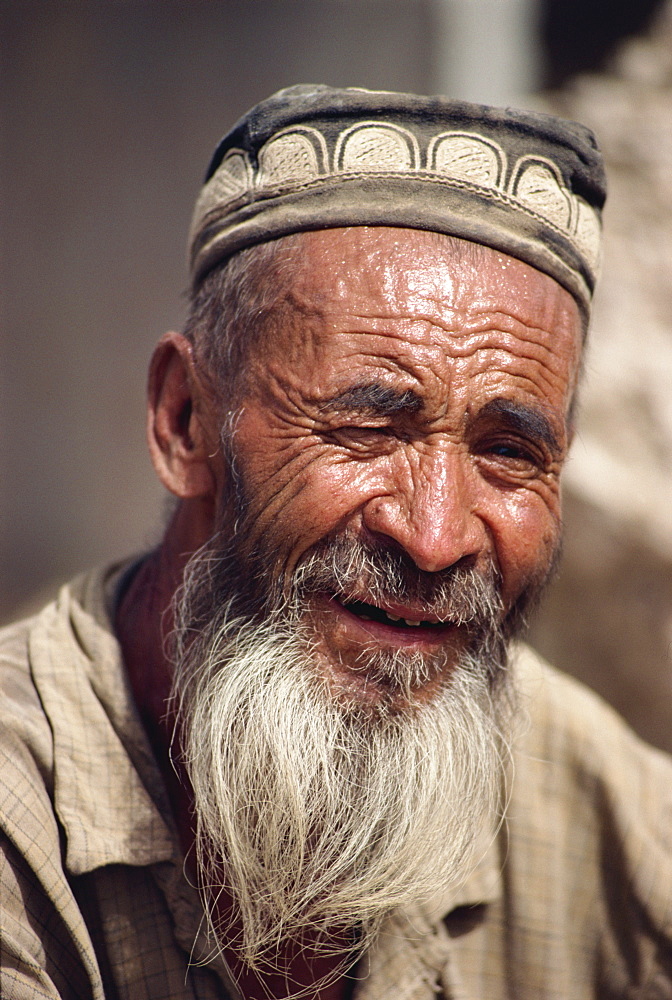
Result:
527,541
310,495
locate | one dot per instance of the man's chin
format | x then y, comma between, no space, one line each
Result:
373,686
370,664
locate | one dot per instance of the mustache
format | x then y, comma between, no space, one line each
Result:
354,568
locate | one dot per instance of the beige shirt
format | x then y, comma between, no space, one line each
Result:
572,900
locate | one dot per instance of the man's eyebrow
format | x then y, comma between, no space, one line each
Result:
528,420
373,397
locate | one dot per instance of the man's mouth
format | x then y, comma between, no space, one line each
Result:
366,612
354,628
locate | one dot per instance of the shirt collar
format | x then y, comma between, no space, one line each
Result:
108,791
411,958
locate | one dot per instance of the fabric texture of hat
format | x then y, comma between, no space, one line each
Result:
316,157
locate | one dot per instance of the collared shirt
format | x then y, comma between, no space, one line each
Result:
571,900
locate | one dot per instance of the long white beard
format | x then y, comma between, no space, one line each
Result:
314,816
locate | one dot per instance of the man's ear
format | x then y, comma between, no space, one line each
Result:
181,446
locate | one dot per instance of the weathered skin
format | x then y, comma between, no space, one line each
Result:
457,460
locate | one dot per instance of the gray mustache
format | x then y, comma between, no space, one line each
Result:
350,567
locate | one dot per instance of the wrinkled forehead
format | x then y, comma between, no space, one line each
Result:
372,270
412,312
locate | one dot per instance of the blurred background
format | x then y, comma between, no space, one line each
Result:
109,112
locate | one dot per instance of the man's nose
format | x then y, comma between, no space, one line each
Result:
432,514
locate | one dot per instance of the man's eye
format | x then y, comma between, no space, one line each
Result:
508,450
512,457
363,439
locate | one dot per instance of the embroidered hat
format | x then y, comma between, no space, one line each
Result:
316,157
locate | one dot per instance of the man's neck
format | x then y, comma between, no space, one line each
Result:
301,971
139,625
142,623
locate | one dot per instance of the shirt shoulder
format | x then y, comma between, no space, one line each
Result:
47,697
569,726
589,829
39,957
26,744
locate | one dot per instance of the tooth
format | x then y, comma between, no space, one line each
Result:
364,618
409,621
394,618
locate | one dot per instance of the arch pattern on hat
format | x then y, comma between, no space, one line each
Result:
537,184
371,147
232,180
303,156
295,156
465,156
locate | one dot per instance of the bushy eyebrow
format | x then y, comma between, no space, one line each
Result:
527,420
374,398
383,400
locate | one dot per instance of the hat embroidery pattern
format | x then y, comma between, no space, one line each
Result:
376,147
299,157
463,156
233,179
291,158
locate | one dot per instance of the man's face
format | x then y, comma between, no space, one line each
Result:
414,398
393,502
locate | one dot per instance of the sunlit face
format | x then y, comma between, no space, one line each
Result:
415,398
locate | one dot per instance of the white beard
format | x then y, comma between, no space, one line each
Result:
315,817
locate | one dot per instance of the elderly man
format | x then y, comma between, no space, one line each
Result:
297,750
